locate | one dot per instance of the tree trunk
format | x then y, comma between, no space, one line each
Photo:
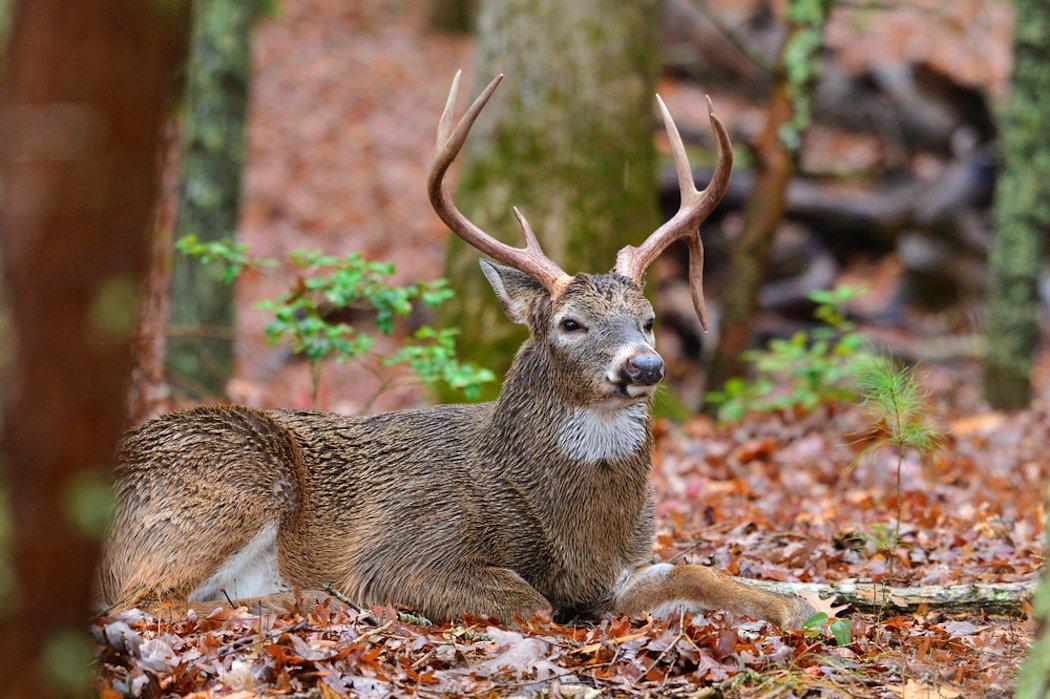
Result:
88,86
200,352
453,16
568,139
776,153
1022,214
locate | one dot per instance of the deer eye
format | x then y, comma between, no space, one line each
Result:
570,326
648,325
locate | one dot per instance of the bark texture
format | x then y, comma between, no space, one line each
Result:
776,152
568,138
200,351
1003,598
1022,213
88,86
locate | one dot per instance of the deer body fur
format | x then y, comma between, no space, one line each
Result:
539,500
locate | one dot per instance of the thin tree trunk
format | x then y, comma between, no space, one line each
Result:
568,139
87,89
148,390
212,162
1022,214
776,154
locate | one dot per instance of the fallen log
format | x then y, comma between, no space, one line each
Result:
1002,598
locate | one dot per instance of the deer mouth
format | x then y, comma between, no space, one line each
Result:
632,390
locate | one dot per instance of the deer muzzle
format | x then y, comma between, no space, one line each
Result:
644,368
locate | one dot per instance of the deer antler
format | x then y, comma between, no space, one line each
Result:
632,261
529,259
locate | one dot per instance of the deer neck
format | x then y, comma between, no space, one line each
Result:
539,422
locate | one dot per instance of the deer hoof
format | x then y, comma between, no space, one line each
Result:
794,613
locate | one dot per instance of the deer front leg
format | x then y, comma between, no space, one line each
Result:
662,588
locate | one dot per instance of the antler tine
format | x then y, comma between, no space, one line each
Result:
531,242
686,185
445,123
529,259
694,208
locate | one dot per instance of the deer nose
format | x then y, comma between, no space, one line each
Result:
644,369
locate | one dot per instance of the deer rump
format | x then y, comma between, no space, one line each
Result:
539,500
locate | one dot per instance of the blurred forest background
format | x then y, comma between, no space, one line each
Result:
891,190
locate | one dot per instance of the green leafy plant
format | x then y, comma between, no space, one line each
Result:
816,365
896,402
325,285
840,629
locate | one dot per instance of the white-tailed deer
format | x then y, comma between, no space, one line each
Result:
539,500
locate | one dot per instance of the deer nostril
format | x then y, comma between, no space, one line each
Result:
645,369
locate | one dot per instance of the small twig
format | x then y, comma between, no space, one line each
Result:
330,589
373,632
223,591
672,644
469,635
419,663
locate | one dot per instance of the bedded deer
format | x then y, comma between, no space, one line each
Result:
539,500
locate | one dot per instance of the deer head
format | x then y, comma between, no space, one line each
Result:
596,328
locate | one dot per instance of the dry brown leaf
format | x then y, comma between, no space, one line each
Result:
914,690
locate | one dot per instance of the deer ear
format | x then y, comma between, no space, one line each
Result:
516,290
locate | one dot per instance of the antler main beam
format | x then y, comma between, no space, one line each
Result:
529,259
632,261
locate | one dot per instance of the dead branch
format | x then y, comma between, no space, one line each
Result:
1006,598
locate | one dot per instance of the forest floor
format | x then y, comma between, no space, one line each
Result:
777,497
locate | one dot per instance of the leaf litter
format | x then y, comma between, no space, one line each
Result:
779,497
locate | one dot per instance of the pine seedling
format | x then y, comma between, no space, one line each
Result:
896,402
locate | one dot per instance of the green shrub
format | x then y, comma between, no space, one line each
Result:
326,284
815,366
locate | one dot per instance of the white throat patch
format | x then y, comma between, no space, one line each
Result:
593,435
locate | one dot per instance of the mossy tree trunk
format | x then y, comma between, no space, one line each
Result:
200,349
1022,213
776,156
453,16
568,138
87,88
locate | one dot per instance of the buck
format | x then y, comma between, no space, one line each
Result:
537,501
